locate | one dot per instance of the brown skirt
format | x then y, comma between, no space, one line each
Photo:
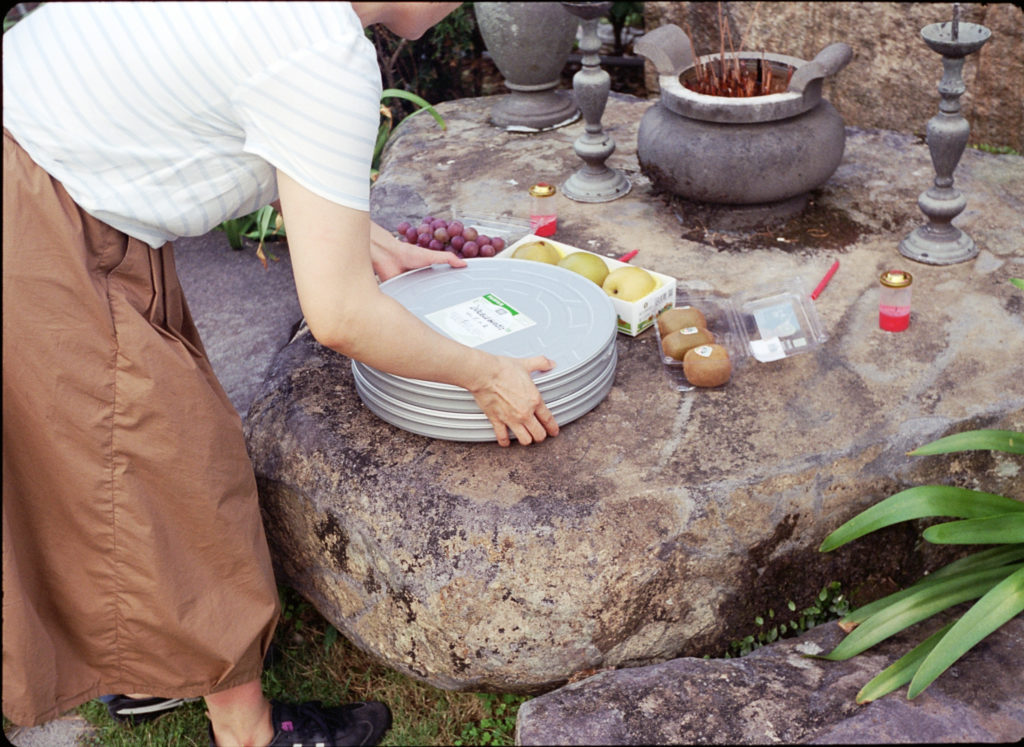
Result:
134,558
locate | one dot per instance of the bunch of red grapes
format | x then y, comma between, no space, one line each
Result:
437,233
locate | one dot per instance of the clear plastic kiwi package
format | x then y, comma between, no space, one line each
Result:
766,323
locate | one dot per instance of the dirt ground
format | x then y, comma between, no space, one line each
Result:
818,225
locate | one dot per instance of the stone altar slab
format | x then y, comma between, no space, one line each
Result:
661,523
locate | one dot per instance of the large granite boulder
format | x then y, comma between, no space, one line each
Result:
779,694
661,523
891,82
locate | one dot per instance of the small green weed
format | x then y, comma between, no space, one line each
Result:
831,604
499,727
999,150
266,224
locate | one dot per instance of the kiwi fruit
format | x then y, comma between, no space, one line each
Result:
675,344
679,317
707,365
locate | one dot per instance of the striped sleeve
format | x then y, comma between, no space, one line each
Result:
314,115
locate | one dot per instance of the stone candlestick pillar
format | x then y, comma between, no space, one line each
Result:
595,182
939,242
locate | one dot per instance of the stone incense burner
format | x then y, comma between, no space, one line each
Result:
758,155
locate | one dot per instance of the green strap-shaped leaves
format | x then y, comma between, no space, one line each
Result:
994,576
912,608
901,671
999,605
988,530
990,558
233,229
1011,442
919,502
983,560
384,131
263,217
421,102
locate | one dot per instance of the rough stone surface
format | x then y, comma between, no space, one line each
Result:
244,311
892,81
778,694
660,524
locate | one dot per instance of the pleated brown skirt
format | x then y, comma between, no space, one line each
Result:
134,557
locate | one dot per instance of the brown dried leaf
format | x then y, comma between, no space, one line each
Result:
585,673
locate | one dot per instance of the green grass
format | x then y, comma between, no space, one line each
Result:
314,662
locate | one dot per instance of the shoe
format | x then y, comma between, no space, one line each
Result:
137,710
312,725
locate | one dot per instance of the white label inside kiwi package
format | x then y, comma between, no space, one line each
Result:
704,351
479,320
767,350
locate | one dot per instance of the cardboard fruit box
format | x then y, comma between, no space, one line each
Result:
633,316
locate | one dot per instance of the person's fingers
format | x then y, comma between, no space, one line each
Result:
538,363
516,408
537,430
547,421
523,435
526,432
501,432
453,259
425,257
538,427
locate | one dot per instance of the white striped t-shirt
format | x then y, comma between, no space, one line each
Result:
164,119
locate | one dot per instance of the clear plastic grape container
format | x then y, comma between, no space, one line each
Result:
764,324
510,228
467,236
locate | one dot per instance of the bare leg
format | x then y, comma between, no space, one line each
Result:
241,716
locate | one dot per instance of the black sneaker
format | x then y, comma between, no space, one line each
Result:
137,710
312,725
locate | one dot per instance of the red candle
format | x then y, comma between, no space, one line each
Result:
894,302
543,216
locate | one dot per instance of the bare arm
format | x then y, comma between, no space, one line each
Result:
346,311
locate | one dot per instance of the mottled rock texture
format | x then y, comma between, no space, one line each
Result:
659,524
778,694
892,81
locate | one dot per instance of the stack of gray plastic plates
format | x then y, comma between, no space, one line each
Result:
510,307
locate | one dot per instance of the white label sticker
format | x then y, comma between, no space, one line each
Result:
767,350
479,320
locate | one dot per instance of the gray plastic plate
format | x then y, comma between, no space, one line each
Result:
568,318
